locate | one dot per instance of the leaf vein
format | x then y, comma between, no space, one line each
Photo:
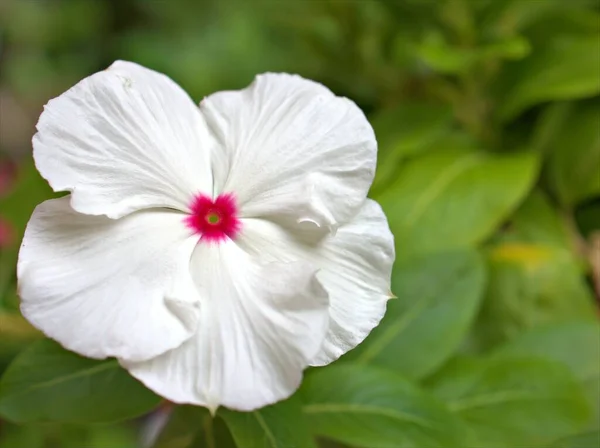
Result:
435,188
367,409
65,378
268,434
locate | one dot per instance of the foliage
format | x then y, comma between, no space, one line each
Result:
488,122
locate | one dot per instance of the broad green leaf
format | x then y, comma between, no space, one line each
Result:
566,68
21,436
67,435
193,427
184,425
549,124
573,166
453,199
48,383
513,47
112,436
374,408
589,439
537,221
443,57
279,426
403,131
535,275
575,344
512,402
530,284
565,19
215,434
438,297
542,19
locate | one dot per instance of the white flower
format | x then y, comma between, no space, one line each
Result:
217,251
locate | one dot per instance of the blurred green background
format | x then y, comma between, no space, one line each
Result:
487,115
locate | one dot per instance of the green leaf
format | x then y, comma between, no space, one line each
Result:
373,408
184,425
530,284
446,58
575,344
112,436
279,426
18,436
193,427
589,439
573,167
513,47
453,199
542,19
215,435
567,68
512,402
535,275
403,131
438,297
537,221
564,19
48,383
549,124
442,57
67,435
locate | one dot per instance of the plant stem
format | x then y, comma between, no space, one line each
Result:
208,432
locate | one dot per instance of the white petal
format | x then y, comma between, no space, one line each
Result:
104,287
260,326
354,268
124,139
295,152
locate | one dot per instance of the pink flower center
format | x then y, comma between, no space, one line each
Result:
214,220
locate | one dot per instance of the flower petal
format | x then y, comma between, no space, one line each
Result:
105,287
356,269
294,151
260,326
124,139
354,266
